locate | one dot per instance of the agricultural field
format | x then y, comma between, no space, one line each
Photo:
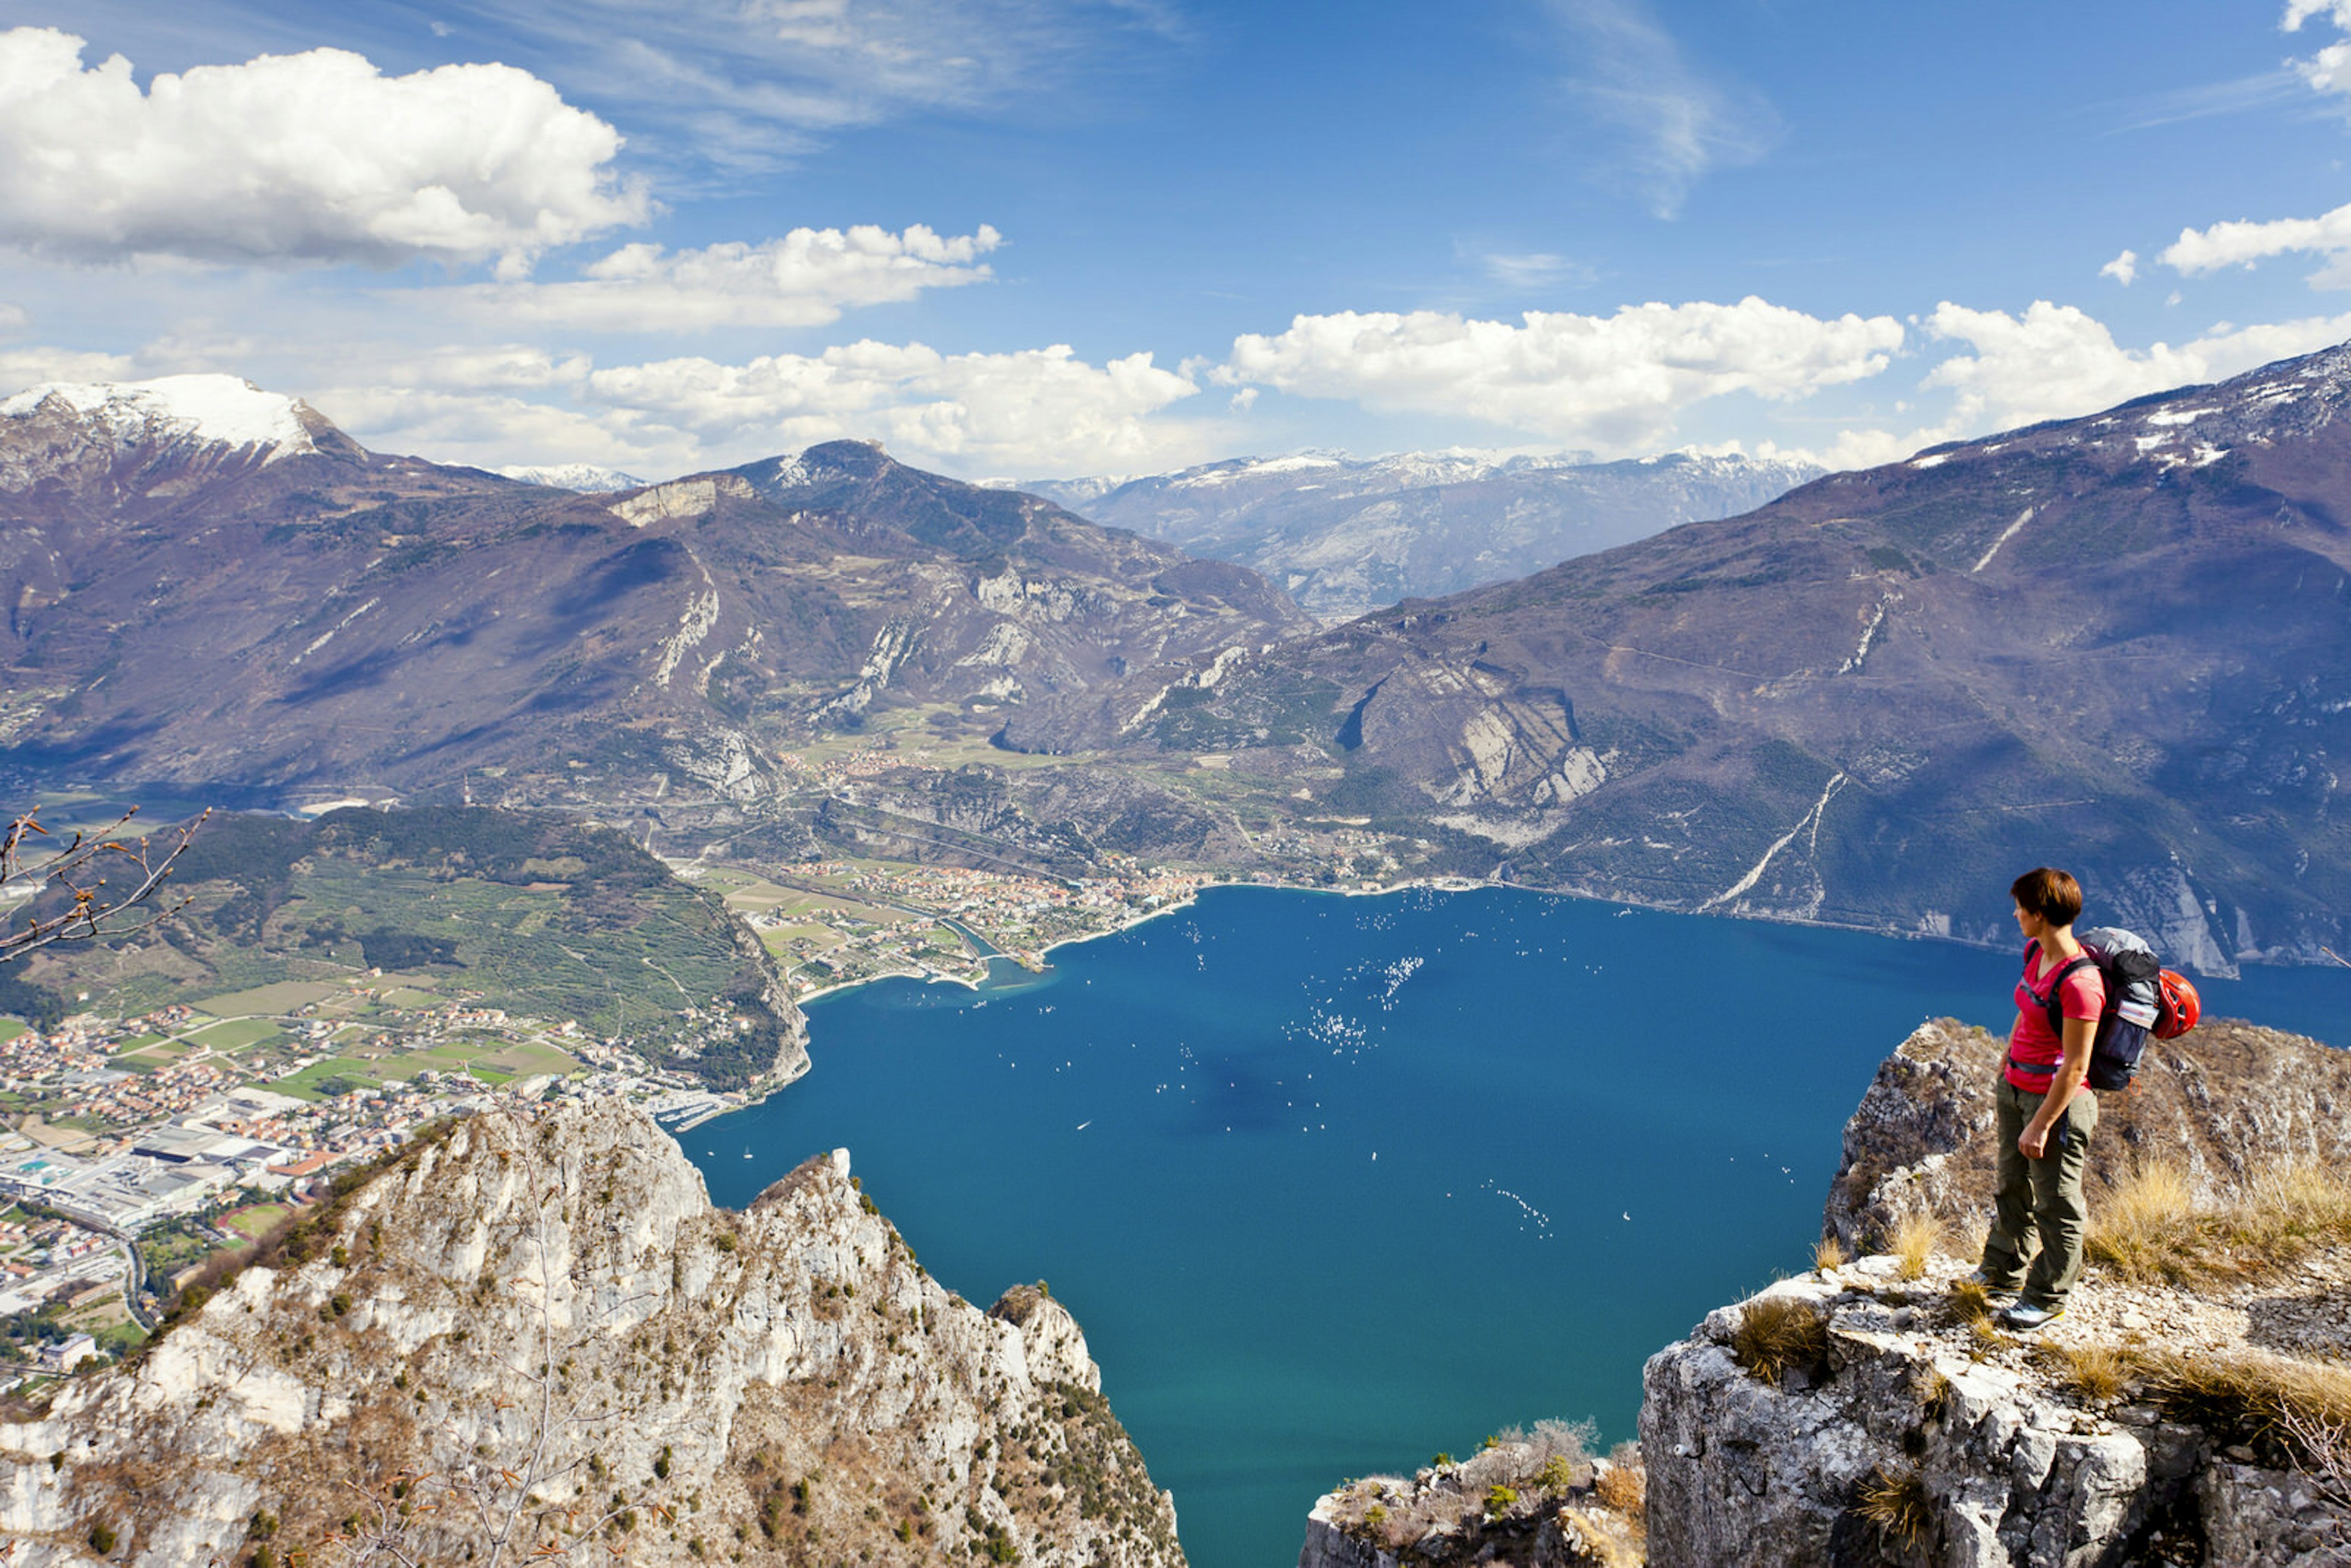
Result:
285,996
490,1060
530,914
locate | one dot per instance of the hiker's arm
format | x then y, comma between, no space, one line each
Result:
2034,1140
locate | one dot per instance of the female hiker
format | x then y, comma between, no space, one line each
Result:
2045,1116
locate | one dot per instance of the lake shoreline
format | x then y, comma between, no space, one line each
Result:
1439,885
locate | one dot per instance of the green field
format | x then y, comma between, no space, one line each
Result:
284,997
539,915
255,1222
493,1061
236,1034
10,1028
151,1055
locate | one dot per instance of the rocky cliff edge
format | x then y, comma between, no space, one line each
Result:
535,1338
2193,1406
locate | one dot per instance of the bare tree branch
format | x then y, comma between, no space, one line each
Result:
107,876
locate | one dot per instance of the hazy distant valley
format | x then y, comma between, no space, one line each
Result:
1344,536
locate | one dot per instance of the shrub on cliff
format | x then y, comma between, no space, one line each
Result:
1779,1334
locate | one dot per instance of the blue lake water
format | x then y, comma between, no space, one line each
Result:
1335,1183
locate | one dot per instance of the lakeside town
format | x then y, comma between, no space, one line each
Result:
138,1147
836,923
133,1149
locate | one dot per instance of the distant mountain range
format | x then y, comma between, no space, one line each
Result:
2120,643
213,587
1343,536
585,478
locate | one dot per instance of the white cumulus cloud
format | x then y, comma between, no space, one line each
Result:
1037,411
2245,242
30,367
807,279
2057,362
490,429
316,157
2123,269
1611,381
2328,70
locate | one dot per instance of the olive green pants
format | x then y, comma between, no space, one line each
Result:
2039,1216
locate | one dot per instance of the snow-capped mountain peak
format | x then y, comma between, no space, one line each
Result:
176,411
584,478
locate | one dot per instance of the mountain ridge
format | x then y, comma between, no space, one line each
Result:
2117,642
535,1331
328,618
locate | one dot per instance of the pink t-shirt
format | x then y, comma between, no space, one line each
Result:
2083,996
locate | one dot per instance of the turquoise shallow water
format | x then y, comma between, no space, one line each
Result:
1333,1182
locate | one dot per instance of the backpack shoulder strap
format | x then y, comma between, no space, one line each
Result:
2053,1002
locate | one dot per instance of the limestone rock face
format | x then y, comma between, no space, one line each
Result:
2222,1101
538,1337
2006,1470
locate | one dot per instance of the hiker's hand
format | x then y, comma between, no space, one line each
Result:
2032,1140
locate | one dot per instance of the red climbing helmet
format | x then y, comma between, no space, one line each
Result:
2178,1007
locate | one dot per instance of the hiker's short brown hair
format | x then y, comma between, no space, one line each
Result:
2048,892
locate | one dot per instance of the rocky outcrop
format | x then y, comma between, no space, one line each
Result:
1870,1413
537,1338
1906,1436
1537,1501
2220,1102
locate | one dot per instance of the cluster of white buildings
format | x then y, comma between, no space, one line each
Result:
168,1168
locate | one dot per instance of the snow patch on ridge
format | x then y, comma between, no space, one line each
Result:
1811,819
1869,633
585,478
210,409
2006,534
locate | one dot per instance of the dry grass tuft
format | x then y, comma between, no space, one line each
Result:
1915,1241
2147,1228
1624,1489
2095,1371
1934,1392
2251,1395
1896,1502
1829,1253
1607,1541
1970,1302
2152,1229
1777,1333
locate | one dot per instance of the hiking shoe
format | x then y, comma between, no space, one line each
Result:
1997,1287
2025,1317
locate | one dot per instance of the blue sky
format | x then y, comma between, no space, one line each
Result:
1036,237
